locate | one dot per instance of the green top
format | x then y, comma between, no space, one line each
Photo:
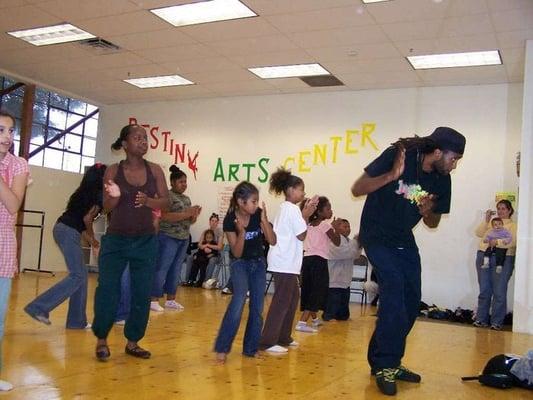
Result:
178,230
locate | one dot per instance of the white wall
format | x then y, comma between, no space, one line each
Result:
49,192
523,302
244,129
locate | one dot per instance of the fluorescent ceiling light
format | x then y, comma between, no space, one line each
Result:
373,1
471,59
289,71
52,34
205,11
159,81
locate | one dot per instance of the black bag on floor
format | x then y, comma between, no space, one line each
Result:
499,372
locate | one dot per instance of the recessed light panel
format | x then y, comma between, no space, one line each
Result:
289,71
204,11
52,34
158,81
471,59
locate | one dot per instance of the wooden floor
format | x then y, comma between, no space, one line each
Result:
48,362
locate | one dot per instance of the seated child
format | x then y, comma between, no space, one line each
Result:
498,232
340,266
206,250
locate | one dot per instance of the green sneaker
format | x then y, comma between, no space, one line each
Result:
386,380
403,374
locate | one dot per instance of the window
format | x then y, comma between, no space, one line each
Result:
52,114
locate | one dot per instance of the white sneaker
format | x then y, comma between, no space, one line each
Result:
88,326
277,349
226,291
317,322
5,386
121,322
173,304
155,306
302,327
294,343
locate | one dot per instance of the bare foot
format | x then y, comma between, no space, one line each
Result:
220,358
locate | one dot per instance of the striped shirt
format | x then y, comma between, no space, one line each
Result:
10,167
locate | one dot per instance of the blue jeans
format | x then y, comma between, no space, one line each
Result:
74,286
398,272
124,304
5,289
493,288
170,258
246,275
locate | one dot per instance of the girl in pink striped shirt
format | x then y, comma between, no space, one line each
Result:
13,181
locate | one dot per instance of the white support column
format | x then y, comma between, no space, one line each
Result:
523,293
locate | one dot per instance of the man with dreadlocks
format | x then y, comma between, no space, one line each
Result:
409,181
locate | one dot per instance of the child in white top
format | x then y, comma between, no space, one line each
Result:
285,260
340,266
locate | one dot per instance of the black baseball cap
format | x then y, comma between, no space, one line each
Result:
448,139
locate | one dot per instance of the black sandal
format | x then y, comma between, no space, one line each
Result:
102,352
138,352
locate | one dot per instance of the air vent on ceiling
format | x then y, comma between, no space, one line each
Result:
99,46
322,80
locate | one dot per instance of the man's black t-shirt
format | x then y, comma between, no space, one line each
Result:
388,218
253,239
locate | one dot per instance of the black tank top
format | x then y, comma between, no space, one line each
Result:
125,218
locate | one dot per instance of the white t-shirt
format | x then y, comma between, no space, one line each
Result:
286,256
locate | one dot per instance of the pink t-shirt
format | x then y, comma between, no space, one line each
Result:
10,167
317,241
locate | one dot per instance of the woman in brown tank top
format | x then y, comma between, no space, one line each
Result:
133,188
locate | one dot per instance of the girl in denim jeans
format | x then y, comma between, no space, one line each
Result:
76,222
244,225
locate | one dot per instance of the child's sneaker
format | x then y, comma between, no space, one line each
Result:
276,349
173,304
302,327
294,343
5,386
317,322
155,306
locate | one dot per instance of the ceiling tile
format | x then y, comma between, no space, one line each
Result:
263,44
75,10
368,66
514,38
514,55
466,25
151,40
271,7
228,75
339,37
230,30
134,22
198,65
411,10
499,5
330,18
273,58
176,53
354,52
464,76
423,29
513,19
515,72
17,18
